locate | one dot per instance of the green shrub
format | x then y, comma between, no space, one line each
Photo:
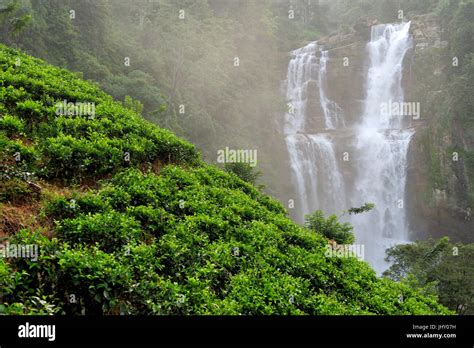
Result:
12,125
16,191
244,171
152,220
330,227
61,207
15,151
109,230
92,281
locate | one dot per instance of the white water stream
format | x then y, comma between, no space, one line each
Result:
379,142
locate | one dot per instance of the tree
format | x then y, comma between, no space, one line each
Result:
439,265
244,171
13,19
330,227
133,104
359,210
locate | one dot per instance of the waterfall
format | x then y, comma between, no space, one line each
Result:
381,146
316,175
332,112
378,142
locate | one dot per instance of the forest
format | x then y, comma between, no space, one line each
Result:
212,156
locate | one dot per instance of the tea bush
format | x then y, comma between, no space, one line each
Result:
12,125
110,230
78,147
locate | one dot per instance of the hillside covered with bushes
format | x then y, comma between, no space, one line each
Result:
129,220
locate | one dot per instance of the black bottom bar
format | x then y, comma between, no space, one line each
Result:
448,331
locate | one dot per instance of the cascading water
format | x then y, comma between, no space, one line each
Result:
379,147
313,161
332,112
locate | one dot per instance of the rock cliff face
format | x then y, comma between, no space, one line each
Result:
437,181
346,71
439,184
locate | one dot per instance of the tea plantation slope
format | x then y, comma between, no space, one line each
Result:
69,143
129,220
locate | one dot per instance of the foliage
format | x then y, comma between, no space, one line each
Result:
109,230
460,104
438,264
363,209
11,125
244,171
349,12
163,233
206,247
15,191
13,19
132,104
76,147
330,227
182,71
